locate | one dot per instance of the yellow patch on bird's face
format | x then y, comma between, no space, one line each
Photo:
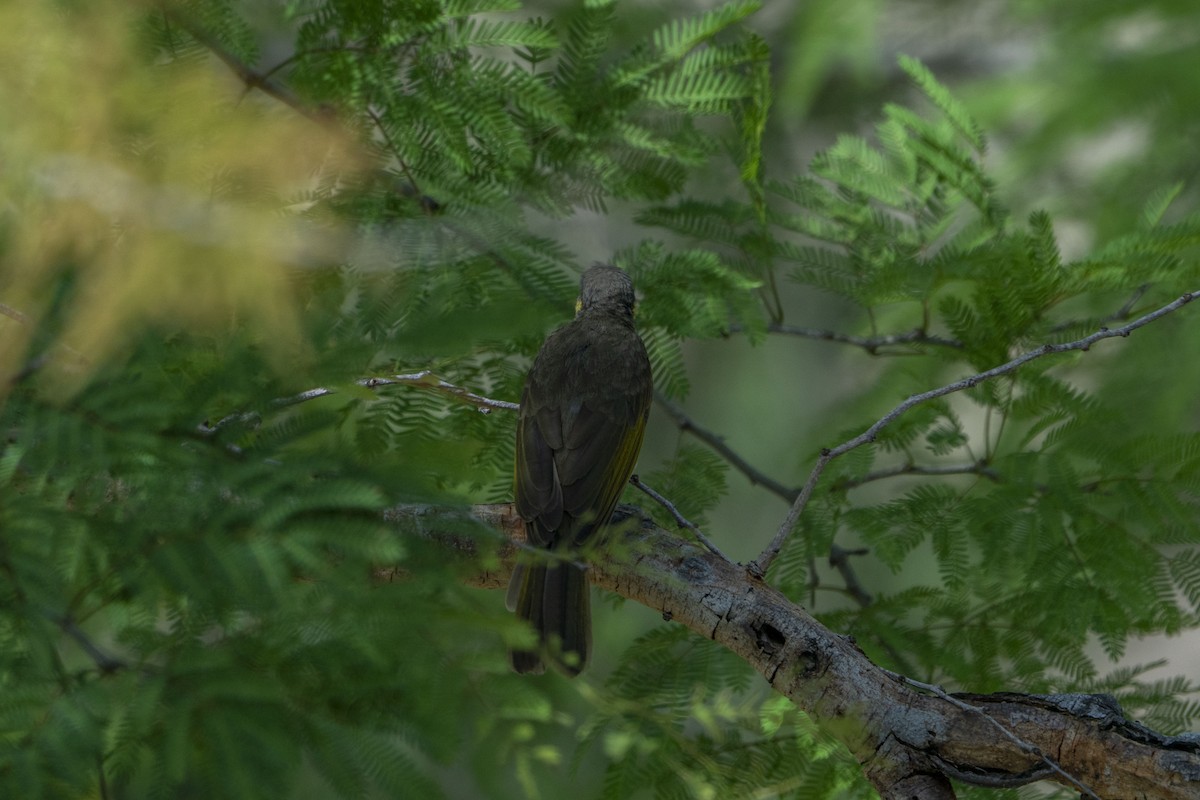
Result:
578,305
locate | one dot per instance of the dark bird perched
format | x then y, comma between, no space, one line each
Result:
583,414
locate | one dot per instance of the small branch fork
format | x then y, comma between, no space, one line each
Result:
680,520
839,557
759,566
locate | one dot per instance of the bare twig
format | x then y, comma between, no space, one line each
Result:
760,565
106,663
299,54
424,379
717,443
869,343
251,78
325,116
978,468
1025,746
1119,315
39,361
100,778
428,204
31,367
680,520
839,559
427,380
1124,311
12,313
484,405
838,555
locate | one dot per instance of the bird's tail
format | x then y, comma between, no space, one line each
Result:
556,601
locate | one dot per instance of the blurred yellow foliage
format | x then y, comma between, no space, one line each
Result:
161,185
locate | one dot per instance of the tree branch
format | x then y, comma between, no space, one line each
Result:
717,443
760,565
871,344
680,519
909,742
979,468
427,380
105,663
424,379
839,557
249,77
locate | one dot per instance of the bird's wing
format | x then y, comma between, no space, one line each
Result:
537,486
597,458
574,455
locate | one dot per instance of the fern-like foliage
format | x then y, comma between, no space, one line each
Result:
1069,520
191,595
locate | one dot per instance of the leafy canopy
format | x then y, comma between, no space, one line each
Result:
187,604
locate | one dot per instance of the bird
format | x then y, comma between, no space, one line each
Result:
582,419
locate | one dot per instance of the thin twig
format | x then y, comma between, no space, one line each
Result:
760,565
484,405
1124,311
106,663
322,115
535,554
1025,746
1119,315
680,520
12,313
36,363
101,779
871,344
248,76
839,559
427,380
432,204
838,555
978,468
424,379
991,780
299,54
717,443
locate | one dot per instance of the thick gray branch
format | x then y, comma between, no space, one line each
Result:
909,742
